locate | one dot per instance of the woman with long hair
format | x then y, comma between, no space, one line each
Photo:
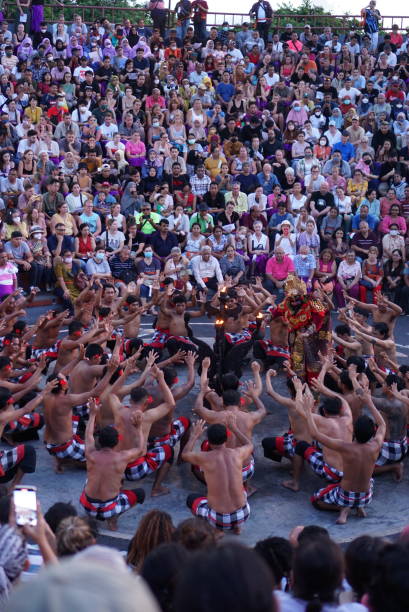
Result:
155,528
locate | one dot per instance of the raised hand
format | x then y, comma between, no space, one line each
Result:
190,358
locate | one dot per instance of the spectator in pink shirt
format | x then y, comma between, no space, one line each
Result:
135,150
278,268
393,217
155,98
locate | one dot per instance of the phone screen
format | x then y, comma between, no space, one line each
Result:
25,504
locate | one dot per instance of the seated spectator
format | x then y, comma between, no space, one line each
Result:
372,276
286,239
362,240
91,218
162,241
112,238
148,269
278,268
371,201
67,271
232,265
97,264
63,216
14,223
330,223
393,218
305,265
363,216
326,272
348,276
394,276
393,241
175,265
41,265
123,269
206,270
258,249
8,275
309,237
218,242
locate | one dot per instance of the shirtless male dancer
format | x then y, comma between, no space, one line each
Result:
354,491
246,421
225,507
394,407
46,338
22,458
70,345
384,311
159,458
335,421
103,497
61,438
277,447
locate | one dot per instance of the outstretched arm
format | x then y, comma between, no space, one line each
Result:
280,399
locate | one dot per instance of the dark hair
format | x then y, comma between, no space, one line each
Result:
195,534
332,405
138,394
75,326
231,397
57,512
346,380
358,361
392,379
108,437
170,374
342,330
381,328
162,570
93,350
364,429
389,587
5,395
278,554
317,572
360,560
311,532
227,578
217,434
230,381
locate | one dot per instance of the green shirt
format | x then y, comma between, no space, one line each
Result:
147,227
204,222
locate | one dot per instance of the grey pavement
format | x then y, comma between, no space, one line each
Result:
274,509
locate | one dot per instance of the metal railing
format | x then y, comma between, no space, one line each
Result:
116,14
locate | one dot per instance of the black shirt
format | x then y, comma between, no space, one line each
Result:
321,201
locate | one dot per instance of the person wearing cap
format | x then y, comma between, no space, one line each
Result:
242,35
286,239
41,264
262,13
286,35
306,34
203,218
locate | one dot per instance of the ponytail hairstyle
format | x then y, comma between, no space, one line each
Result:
318,570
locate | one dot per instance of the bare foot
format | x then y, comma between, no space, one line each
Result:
250,490
158,491
361,513
343,516
112,523
399,471
292,485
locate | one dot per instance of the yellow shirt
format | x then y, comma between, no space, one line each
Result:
16,227
67,221
213,166
33,114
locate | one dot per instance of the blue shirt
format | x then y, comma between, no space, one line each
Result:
303,266
267,185
225,91
346,149
372,222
